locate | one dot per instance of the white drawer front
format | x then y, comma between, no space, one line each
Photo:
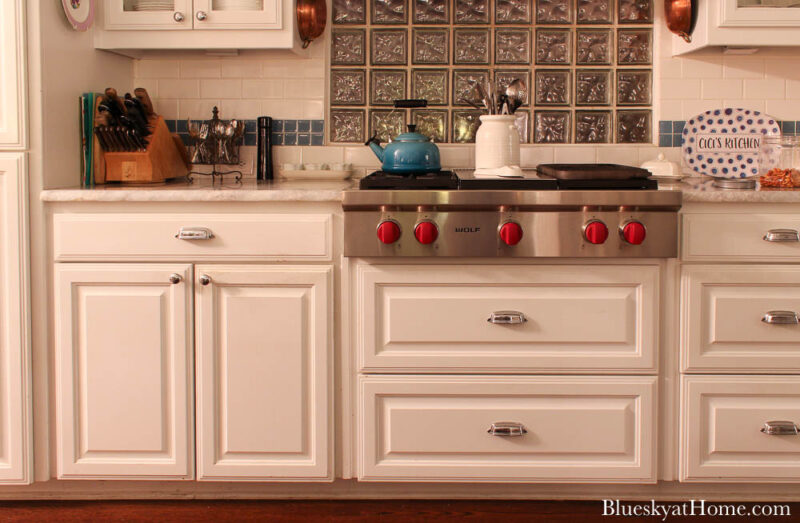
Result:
579,429
434,318
722,312
738,237
149,237
721,424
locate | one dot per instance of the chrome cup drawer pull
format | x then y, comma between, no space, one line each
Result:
507,318
194,233
782,235
780,428
507,429
781,318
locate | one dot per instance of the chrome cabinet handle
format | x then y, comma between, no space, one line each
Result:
201,15
507,429
507,318
780,428
178,17
781,318
194,233
782,235
175,279
205,279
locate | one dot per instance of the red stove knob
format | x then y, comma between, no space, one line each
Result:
510,233
633,233
595,232
388,232
426,232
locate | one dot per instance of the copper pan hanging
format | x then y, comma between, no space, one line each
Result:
681,15
311,18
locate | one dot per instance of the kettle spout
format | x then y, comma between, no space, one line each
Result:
375,145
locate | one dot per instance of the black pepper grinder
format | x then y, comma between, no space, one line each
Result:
264,145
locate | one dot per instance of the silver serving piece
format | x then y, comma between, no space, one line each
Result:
216,142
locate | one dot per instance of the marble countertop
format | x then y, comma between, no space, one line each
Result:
695,190
203,190
702,190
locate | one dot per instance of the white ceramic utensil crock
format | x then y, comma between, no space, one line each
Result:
496,143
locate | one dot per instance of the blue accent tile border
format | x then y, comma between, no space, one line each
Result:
669,131
284,132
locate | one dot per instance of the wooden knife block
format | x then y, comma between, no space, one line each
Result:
164,158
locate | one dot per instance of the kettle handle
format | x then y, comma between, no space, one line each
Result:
373,139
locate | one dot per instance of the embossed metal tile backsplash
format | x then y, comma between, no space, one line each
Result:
587,65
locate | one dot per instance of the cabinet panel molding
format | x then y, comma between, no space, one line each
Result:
123,371
264,400
16,460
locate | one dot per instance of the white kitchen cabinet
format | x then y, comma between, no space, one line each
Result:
197,24
724,323
510,429
123,371
569,318
263,395
721,429
12,74
743,23
15,397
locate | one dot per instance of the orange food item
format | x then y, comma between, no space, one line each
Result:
782,178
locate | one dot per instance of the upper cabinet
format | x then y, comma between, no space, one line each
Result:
743,23
131,25
12,73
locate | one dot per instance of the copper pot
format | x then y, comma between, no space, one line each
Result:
679,14
311,18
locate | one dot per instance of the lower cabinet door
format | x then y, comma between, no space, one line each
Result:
123,371
740,429
507,429
263,377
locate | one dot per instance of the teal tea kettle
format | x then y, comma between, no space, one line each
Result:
408,153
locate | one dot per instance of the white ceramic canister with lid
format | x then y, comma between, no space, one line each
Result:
497,142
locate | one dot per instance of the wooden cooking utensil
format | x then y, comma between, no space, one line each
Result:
311,18
680,17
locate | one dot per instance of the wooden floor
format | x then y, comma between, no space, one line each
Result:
328,511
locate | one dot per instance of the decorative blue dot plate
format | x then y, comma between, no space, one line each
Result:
724,143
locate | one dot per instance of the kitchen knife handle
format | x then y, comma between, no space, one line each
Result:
143,96
111,93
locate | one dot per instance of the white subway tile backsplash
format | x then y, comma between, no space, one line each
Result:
617,154
200,68
196,109
181,89
734,66
157,69
782,109
533,155
327,155
575,154
693,107
240,69
228,88
792,89
166,107
313,109
680,89
755,89
238,108
262,89
722,88
702,66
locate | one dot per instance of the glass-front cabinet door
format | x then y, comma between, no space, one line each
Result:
238,14
760,13
148,14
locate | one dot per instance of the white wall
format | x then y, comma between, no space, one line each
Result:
69,66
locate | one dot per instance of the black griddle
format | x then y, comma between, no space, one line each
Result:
591,171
